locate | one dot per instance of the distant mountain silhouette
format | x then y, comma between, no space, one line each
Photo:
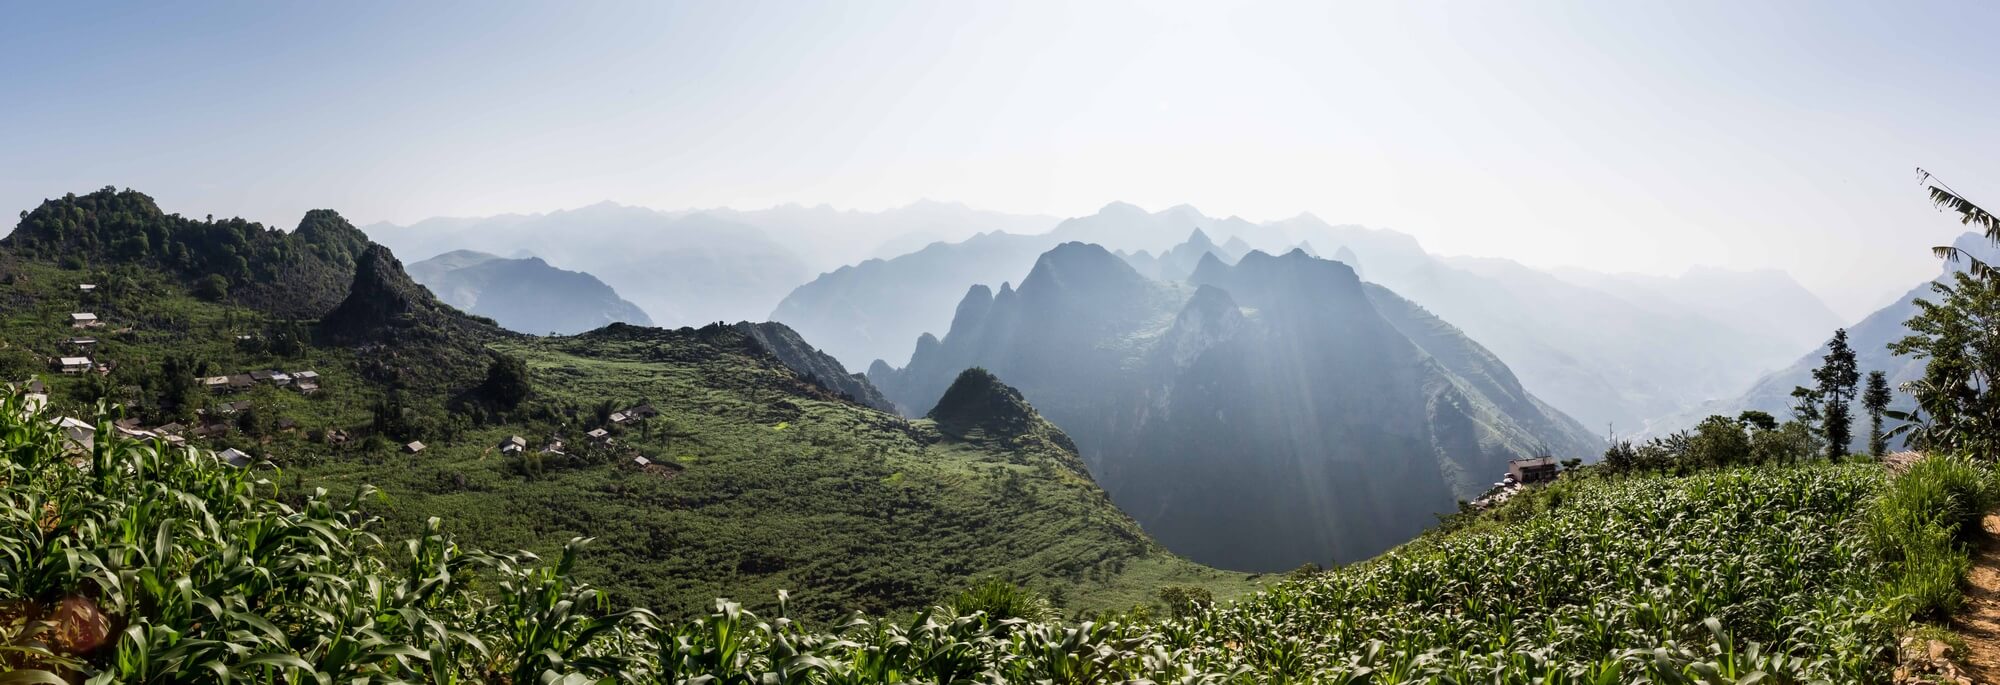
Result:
1869,337
701,266
524,295
1609,352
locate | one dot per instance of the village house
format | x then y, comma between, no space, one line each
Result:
619,417
86,287
80,343
170,429
514,444
234,457
414,447
241,381
33,403
215,383
75,364
280,378
77,433
599,434
262,376
83,320
210,430
304,387
1536,470
641,462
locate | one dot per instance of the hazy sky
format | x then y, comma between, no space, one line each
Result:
1602,134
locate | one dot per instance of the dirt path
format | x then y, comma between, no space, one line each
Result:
1979,623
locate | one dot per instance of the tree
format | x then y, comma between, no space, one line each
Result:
1788,443
1621,457
1757,420
213,287
1805,405
1718,441
175,387
1876,399
1959,335
506,384
1837,378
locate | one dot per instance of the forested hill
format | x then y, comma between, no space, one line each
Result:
303,273
720,461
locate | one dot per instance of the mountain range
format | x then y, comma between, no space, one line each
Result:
525,295
1869,338
1613,351
1257,416
724,460
700,266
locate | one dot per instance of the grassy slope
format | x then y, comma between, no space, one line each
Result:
1774,574
849,508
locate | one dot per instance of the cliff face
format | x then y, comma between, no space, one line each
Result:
816,366
1272,396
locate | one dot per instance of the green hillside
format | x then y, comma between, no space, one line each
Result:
757,479
1798,574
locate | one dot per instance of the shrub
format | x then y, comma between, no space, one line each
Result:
1000,600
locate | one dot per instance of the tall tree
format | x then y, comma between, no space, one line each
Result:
1876,398
1837,378
1959,335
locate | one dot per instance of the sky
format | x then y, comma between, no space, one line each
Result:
1620,136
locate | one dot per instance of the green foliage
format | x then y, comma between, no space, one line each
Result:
1742,575
1718,441
1875,398
506,384
1959,335
1753,437
998,600
1185,602
1917,524
1837,378
1661,579
213,287
295,274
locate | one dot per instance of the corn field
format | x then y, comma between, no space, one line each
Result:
140,563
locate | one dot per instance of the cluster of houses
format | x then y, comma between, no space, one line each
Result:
516,445
80,436
303,382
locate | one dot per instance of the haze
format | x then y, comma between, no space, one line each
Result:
1602,135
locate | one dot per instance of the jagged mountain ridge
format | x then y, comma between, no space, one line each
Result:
1609,359
1272,396
525,295
801,357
